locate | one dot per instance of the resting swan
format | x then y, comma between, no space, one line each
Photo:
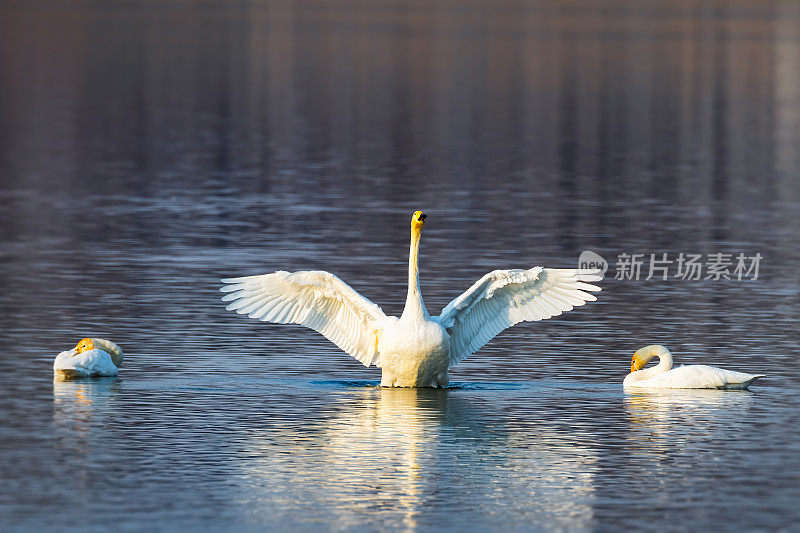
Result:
415,350
683,377
89,358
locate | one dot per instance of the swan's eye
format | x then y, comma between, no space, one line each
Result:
84,344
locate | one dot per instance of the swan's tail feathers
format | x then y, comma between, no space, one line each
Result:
742,385
750,381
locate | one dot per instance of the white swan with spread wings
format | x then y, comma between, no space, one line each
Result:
415,350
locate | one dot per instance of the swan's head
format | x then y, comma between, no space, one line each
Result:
643,355
418,220
84,345
101,344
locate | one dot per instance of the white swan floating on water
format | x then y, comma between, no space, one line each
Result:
415,350
89,358
682,377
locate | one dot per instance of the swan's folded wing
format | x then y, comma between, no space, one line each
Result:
702,377
503,298
315,299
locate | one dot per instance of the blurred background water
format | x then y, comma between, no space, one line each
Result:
149,148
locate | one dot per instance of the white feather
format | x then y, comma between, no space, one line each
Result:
316,299
663,376
539,293
90,363
416,349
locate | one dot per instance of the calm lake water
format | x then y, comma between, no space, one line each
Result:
148,149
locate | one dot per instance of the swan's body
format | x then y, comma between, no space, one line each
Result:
414,353
415,350
663,376
90,358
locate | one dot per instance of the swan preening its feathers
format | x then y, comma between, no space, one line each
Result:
682,377
89,358
415,350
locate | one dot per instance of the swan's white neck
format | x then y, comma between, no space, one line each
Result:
111,349
415,307
664,364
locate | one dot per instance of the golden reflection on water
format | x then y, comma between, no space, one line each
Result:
368,457
383,451
79,406
391,431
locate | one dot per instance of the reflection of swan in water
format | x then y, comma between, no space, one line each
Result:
400,453
682,440
665,420
81,406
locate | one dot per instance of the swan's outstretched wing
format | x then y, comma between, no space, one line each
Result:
315,299
503,298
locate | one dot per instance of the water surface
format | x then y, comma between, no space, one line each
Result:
146,150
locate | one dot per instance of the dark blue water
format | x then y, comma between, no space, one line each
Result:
148,149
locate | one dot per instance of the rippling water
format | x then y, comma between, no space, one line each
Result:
148,149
